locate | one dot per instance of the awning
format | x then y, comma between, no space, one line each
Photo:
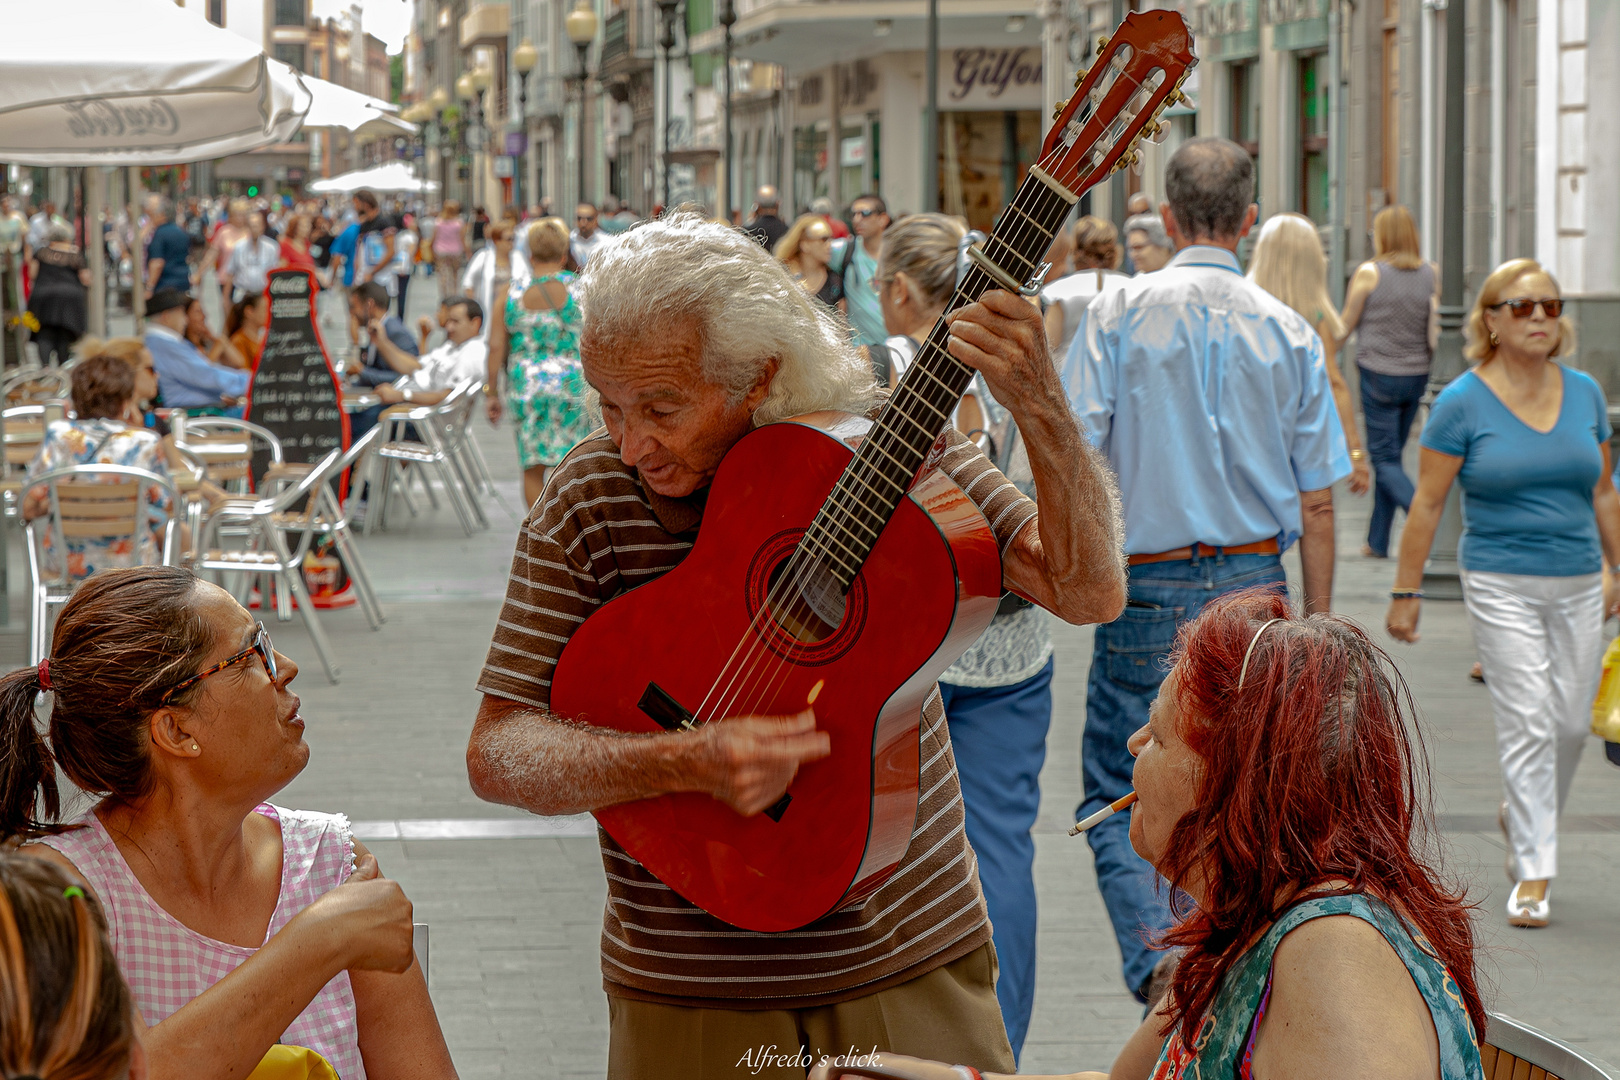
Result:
137,82
392,177
335,106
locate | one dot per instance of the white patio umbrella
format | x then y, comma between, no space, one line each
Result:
335,106
394,176
135,82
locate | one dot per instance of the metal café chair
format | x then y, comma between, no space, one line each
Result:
436,448
35,385
267,524
1514,1050
87,502
227,447
330,517
24,432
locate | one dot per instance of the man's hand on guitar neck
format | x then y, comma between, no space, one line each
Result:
524,757
1071,563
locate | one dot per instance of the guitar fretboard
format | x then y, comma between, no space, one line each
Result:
872,485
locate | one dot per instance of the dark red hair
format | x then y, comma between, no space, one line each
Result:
1313,772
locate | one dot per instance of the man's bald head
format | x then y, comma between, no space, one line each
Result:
766,198
1209,184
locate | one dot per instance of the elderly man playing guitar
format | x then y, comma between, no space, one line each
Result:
695,338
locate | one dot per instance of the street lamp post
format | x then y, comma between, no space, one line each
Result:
666,41
524,58
468,93
482,77
581,29
438,101
728,17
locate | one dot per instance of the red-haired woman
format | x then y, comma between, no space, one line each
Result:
1281,795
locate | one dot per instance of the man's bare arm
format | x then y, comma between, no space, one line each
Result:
525,757
1316,549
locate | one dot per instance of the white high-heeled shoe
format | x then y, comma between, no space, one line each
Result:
1526,912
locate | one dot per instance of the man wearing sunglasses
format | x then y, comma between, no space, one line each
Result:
860,262
586,237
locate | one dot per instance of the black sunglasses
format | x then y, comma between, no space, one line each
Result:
261,645
866,213
1522,309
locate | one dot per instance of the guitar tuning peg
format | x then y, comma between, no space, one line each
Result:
1057,110
1080,77
1102,44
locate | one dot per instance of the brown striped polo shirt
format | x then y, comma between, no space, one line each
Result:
597,532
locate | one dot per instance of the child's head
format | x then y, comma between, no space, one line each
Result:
65,1011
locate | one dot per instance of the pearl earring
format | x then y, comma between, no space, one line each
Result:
194,746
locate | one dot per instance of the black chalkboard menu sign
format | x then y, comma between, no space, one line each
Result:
295,390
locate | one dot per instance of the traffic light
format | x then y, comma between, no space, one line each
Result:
252,191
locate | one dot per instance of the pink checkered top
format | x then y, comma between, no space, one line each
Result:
168,965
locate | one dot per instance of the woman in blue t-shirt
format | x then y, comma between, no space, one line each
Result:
1528,440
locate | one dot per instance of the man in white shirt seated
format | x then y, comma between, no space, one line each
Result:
428,380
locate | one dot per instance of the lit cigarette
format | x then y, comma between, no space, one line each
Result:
1104,814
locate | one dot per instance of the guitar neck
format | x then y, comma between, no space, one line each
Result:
887,462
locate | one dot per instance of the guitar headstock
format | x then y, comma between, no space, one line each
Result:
1117,102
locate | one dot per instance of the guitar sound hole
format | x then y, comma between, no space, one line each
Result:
808,605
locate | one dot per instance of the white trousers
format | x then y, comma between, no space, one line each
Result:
1540,642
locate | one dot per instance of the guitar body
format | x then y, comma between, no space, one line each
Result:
928,589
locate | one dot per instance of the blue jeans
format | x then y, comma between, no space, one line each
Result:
1389,403
1127,666
998,734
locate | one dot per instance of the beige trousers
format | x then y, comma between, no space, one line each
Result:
949,1014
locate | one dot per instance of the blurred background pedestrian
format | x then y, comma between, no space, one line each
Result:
806,251
1392,304
59,301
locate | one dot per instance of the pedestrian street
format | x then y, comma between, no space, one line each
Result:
514,903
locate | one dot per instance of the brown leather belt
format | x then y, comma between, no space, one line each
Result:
1204,551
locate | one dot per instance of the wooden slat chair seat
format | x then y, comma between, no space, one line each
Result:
87,502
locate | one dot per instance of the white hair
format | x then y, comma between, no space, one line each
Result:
748,311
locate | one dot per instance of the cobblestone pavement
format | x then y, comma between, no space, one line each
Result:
515,904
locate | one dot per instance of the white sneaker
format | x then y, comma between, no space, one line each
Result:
1527,913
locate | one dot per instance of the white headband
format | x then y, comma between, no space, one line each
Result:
1244,670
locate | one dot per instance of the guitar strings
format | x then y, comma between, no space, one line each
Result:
758,682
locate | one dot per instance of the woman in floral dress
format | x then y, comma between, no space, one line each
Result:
535,342
108,431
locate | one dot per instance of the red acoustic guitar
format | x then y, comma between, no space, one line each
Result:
836,566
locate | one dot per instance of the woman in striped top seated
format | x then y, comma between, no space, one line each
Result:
1281,796
239,924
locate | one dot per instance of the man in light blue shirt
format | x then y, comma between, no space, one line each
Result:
1210,398
186,378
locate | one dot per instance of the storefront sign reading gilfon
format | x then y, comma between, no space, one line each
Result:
981,78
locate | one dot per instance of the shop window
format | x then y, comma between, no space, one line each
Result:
1313,137
290,12
1244,122
983,159
290,54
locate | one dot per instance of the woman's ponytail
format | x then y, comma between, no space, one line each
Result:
27,767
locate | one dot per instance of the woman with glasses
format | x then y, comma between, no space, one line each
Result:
238,924
806,251
1528,440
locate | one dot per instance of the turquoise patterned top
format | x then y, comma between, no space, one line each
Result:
1226,1037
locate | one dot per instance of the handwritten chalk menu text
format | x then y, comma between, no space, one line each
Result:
295,391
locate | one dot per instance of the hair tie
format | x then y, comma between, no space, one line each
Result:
1249,652
45,674
71,891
